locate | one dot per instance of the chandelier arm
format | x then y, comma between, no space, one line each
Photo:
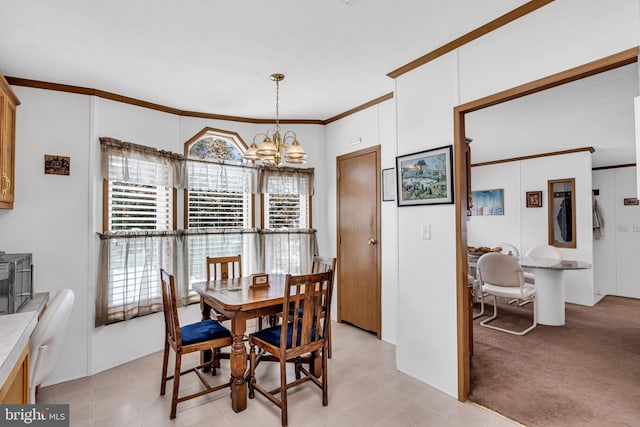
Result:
288,134
266,135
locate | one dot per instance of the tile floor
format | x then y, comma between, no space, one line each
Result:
365,389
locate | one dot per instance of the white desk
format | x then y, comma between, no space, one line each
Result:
550,286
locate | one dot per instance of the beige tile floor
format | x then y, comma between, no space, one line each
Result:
365,389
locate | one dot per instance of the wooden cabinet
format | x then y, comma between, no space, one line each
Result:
15,390
8,103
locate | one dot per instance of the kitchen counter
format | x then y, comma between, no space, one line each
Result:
15,330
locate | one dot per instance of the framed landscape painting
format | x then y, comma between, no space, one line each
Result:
425,178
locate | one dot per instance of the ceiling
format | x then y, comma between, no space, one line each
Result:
216,56
596,111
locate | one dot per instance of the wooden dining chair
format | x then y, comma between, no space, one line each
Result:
321,264
301,332
226,267
204,335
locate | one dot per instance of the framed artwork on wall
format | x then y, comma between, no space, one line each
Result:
388,185
488,202
534,199
425,178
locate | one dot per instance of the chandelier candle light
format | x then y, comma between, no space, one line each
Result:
274,142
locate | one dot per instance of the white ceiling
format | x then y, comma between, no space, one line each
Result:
215,56
593,112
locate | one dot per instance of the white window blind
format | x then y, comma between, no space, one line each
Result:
218,209
139,207
286,211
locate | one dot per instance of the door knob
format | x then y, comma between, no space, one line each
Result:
372,241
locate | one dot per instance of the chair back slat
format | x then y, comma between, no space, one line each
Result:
311,292
172,325
227,267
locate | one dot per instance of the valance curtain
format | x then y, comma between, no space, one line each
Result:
139,164
129,273
221,177
287,181
288,251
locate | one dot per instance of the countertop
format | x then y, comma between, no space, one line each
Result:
15,330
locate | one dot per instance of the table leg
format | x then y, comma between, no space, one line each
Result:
238,361
205,355
550,297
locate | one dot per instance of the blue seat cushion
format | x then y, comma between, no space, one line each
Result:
272,335
203,331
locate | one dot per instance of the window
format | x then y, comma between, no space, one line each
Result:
218,197
138,223
286,211
138,207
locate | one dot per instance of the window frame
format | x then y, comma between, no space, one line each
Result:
242,146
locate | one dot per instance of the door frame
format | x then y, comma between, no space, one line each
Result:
374,149
460,184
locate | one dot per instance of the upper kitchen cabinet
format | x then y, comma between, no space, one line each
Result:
8,103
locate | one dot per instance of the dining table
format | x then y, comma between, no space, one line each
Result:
549,283
240,301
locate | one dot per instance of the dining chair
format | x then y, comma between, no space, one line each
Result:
46,340
207,334
301,332
502,276
321,264
226,267
544,251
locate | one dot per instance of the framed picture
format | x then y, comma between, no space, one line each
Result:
56,165
388,185
534,199
425,178
488,202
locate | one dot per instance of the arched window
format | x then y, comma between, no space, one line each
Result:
216,145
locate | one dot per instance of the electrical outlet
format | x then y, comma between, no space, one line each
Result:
623,227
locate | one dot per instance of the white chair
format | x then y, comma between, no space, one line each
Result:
544,251
501,276
46,340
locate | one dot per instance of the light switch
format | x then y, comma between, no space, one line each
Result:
636,227
425,231
623,227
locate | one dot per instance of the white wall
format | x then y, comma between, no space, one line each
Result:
616,254
427,347
526,228
493,230
374,126
51,212
552,39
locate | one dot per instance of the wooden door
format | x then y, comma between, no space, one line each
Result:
358,204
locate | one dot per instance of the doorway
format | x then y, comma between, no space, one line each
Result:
358,236
461,185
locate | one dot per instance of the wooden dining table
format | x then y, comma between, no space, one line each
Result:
238,300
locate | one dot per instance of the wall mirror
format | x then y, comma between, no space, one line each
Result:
562,212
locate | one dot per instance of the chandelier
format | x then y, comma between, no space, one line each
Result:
270,151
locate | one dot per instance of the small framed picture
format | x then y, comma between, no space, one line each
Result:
388,185
534,199
56,165
260,281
